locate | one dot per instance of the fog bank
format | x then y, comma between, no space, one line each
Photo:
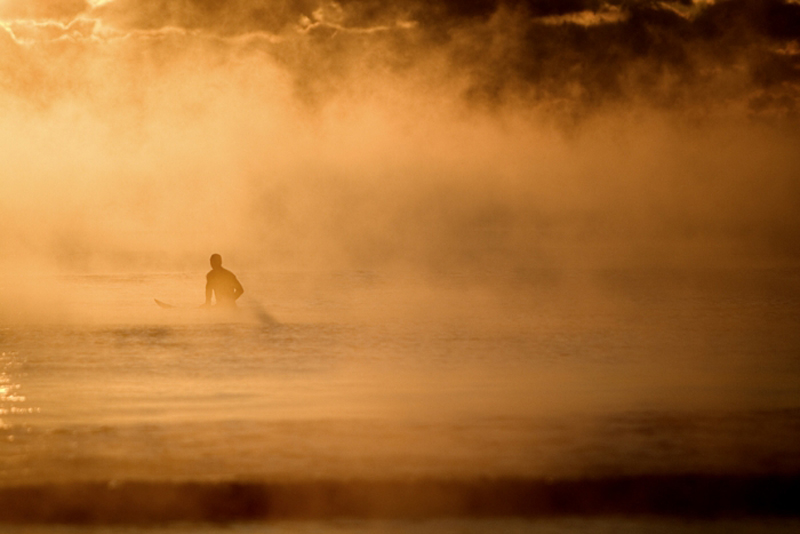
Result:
433,137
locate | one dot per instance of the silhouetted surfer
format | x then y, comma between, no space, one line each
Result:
223,284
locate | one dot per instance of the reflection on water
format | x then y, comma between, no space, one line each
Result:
12,402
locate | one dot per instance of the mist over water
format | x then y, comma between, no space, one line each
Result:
484,239
139,136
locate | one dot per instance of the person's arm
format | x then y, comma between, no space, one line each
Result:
237,288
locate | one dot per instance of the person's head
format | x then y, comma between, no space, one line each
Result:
216,261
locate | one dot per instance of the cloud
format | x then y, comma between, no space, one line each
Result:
26,31
578,53
581,53
607,15
228,17
60,10
466,133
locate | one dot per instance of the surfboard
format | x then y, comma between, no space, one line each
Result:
254,310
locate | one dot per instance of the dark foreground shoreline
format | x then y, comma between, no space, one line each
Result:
695,496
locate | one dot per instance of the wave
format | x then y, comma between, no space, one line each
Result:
146,502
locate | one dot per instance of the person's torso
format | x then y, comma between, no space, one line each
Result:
223,282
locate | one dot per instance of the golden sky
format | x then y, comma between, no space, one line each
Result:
435,134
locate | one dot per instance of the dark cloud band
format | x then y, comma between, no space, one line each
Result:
580,53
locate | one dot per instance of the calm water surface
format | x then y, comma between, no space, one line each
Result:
451,526
358,376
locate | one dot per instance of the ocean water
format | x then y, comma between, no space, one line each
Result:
365,402
448,526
